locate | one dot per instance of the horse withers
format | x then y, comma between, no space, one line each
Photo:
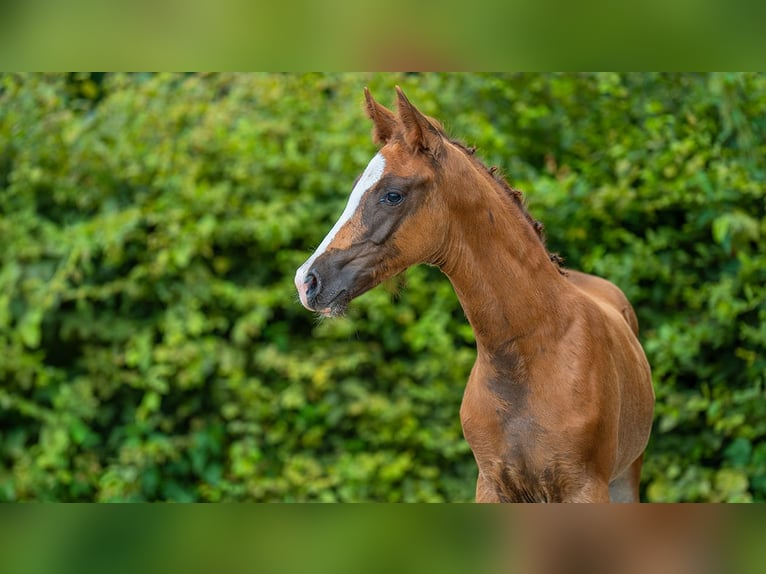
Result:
559,404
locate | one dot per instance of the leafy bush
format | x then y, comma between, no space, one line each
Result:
153,347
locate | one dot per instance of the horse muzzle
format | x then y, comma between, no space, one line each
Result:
321,292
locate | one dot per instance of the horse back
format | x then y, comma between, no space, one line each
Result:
605,293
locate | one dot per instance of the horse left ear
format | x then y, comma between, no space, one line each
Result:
420,133
383,119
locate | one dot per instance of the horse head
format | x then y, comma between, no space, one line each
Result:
393,217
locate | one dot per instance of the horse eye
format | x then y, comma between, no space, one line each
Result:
392,198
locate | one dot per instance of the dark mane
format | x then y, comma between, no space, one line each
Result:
515,194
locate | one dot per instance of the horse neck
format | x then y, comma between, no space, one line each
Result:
499,267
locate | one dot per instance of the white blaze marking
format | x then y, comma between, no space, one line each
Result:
369,178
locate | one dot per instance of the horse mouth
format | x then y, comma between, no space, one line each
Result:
337,306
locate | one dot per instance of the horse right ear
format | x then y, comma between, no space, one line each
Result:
420,132
383,119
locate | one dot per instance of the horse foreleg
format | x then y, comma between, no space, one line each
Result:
485,491
625,487
592,491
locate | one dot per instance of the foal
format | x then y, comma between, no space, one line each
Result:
559,404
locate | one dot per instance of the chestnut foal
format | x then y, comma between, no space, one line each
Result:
559,403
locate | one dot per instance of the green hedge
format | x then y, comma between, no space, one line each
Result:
152,346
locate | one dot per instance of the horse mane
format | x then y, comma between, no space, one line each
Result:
516,195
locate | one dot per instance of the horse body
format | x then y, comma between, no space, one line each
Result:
558,406
550,391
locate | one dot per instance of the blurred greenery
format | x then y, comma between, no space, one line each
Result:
153,347
303,35
276,539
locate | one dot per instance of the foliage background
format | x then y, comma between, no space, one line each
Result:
152,346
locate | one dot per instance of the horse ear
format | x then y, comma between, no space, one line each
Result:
420,132
383,119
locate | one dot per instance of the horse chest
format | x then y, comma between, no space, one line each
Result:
519,468
515,454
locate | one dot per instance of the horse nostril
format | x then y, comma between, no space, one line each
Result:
312,285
